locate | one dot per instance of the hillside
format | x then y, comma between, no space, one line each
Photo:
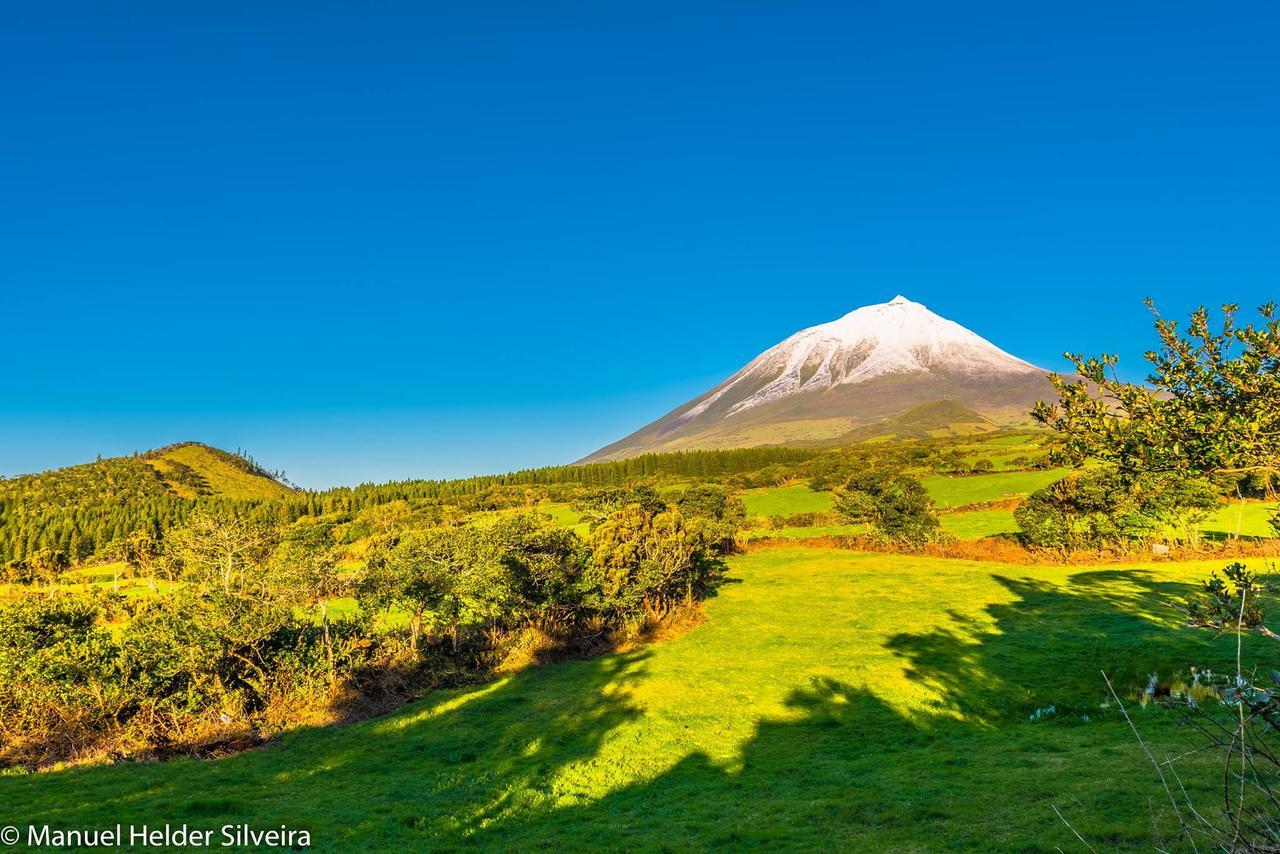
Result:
930,420
191,469
824,384
77,510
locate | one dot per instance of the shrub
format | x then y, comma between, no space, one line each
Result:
1098,509
897,506
646,563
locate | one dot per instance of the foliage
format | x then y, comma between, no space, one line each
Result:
234,643
1098,509
1230,602
896,506
647,562
1212,403
1211,410
220,550
179,664
596,504
719,514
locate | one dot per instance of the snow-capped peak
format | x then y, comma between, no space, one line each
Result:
897,337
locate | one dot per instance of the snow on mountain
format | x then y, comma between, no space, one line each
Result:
897,337
832,382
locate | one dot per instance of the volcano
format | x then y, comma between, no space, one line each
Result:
838,381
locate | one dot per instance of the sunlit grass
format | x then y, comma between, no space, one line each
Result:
784,500
976,524
830,699
974,489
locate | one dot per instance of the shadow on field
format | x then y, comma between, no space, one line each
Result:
849,769
1049,645
500,766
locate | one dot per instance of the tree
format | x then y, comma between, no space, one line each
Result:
1211,404
1098,508
1082,510
896,506
646,562
304,569
1178,503
449,579
718,513
221,549
139,551
547,566
597,504
1210,409
48,565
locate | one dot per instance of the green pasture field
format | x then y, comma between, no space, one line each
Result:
1247,519
830,700
976,524
974,489
946,491
784,500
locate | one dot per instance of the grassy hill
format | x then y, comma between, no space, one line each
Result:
191,469
77,510
830,699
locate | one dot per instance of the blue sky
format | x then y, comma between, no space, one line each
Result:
372,241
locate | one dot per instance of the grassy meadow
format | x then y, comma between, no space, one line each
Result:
948,491
829,699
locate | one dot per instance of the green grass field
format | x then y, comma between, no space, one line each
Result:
795,532
946,492
784,501
830,700
976,524
1250,519
564,516
974,489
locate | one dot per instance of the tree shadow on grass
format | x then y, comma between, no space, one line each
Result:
848,766
1050,644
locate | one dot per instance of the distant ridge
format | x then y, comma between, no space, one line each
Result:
833,382
185,466
183,469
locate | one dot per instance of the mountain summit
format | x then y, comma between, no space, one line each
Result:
830,382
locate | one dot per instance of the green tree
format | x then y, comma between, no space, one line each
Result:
1211,404
646,562
47,565
896,506
303,569
221,550
448,579
1082,510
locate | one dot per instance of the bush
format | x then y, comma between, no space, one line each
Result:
1098,509
645,563
897,507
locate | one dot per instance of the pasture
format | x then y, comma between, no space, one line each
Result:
830,699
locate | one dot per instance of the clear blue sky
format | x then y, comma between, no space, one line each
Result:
371,241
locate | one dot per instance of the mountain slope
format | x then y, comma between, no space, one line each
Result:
940,418
191,469
79,510
823,383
